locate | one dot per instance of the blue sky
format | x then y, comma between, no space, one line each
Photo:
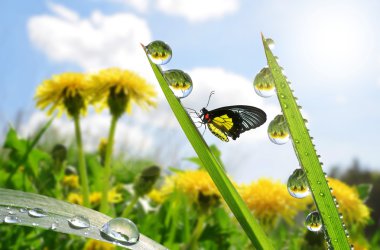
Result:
330,52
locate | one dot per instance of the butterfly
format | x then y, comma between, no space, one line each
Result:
231,121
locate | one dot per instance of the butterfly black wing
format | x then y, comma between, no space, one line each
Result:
234,120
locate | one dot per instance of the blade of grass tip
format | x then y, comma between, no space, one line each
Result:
55,217
240,210
307,156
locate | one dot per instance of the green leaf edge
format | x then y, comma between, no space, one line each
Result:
240,210
307,156
59,212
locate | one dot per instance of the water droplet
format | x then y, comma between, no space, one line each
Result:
283,96
313,222
179,82
286,106
270,43
278,131
264,83
34,224
79,222
319,182
159,52
37,212
297,184
297,141
322,194
54,226
11,212
340,215
23,210
11,219
121,230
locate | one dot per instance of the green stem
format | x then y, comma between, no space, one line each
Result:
130,206
82,164
107,165
193,244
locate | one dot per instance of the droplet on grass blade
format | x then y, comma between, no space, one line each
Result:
264,83
297,184
278,131
121,230
159,52
179,82
313,222
79,222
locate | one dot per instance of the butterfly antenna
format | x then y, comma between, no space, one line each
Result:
209,98
204,130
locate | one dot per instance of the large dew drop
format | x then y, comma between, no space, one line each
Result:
313,222
122,230
264,83
297,184
159,52
37,212
270,43
278,130
179,82
79,222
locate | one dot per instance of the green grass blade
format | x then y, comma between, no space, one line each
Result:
307,156
58,212
218,175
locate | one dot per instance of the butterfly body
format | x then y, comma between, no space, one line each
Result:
231,121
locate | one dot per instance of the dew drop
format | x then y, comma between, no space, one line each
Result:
11,212
319,182
37,212
278,131
270,43
297,141
11,219
179,82
79,222
23,210
264,83
322,194
286,106
159,52
340,215
54,226
122,230
313,222
297,184
34,224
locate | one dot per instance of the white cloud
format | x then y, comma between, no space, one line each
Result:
92,43
198,10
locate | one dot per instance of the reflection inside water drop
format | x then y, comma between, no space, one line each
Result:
297,184
270,43
179,82
264,83
122,230
278,131
313,222
159,52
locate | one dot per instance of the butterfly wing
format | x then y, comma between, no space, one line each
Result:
217,132
234,120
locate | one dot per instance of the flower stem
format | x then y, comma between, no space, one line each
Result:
192,245
107,165
130,206
82,164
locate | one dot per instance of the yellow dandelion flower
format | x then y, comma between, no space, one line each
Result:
269,200
71,181
114,196
95,198
193,183
119,89
360,245
98,245
75,198
65,92
353,209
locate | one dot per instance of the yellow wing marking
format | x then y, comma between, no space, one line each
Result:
217,132
223,121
